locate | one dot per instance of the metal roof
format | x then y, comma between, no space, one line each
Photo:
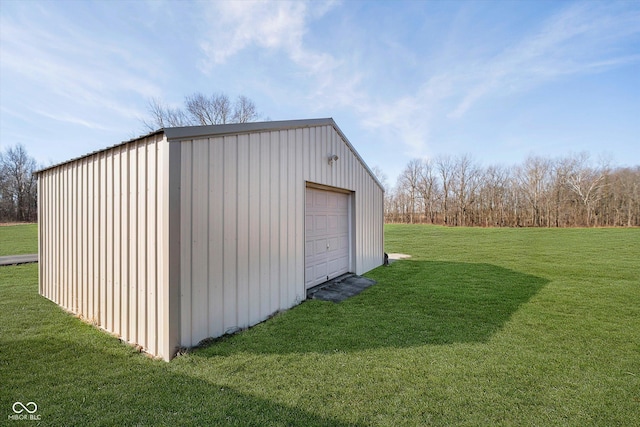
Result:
194,132
189,132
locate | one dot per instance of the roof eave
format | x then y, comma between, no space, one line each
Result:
194,132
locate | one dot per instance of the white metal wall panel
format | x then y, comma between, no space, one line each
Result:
240,197
243,222
101,236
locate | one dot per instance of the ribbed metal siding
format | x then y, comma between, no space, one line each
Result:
238,213
242,223
348,173
102,236
167,243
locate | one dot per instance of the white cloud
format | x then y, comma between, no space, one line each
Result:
280,27
409,119
68,118
236,25
581,39
67,63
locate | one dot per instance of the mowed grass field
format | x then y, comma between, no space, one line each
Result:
18,239
481,327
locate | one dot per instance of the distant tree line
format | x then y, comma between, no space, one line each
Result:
541,192
18,186
450,190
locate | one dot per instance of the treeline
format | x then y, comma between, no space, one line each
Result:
541,192
18,186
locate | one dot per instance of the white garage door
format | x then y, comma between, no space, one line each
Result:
326,236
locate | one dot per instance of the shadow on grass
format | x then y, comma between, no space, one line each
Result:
74,385
79,375
414,303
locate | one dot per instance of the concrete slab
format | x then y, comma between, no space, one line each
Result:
18,259
396,257
340,288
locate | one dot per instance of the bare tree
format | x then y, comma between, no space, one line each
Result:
586,181
444,165
163,116
244,110
18,189
207,111
629,194
381,176
537,193
533,178
200,109
388,197
408,181
464,181
494,189
210,110
399,200
429,189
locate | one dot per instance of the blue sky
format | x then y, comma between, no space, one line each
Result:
499,80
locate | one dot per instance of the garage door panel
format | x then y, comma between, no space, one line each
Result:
320,199
336,266
320,224
332,201
320,272
333,245
309,249
333,266
342,204
332,223
344,243
343,222
309,272
320,247
326,235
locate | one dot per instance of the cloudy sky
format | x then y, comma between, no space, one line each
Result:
499,80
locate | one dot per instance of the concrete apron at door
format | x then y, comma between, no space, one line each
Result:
340,288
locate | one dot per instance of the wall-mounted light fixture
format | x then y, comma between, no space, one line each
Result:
332,158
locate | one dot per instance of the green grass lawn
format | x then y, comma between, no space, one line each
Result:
480,327
18,239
